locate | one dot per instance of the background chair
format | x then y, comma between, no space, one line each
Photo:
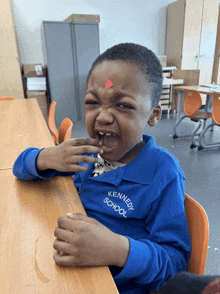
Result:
192,103
216,119
51,122
65,127
198,225
65,130
7,98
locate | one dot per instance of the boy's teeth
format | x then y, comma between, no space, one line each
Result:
107,134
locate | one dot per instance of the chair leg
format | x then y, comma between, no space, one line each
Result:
204,124
176,135
201,137
194,144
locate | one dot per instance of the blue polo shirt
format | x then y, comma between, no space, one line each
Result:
144,201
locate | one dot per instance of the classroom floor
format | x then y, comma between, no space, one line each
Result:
201,169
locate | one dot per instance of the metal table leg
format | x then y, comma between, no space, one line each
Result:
207,102
179,104
213,125
179,107
207,105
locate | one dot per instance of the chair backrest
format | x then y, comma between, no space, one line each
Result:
216,109
51,121
65,130
192,102
198,225
7,98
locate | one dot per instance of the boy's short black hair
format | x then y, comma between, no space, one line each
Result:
141,56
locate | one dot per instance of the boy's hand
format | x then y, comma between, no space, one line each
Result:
83,241
65,156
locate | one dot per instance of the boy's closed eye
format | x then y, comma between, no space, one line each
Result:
119,104
126,106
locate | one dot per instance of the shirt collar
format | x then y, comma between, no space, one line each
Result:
140,170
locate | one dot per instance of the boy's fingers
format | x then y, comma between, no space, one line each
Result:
66,260
77,168
86,149
85,141
84,158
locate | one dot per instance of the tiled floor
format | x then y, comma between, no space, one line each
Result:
202,171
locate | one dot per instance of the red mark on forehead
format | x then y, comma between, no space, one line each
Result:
108,84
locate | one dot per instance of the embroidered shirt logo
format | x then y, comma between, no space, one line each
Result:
117,207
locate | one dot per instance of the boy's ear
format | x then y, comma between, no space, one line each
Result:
155,116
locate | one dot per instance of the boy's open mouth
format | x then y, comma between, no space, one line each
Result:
109,141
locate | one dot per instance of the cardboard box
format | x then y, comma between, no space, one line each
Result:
39,95
36,84
163,60
83,18
41,99
34,70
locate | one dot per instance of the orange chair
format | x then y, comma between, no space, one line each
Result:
51,122
65,127
192,103
216,119
65,130
7,98
198,225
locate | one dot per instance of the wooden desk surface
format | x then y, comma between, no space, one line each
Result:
29,211
22,125
172,81
201,89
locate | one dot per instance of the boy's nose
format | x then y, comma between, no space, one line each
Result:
105,117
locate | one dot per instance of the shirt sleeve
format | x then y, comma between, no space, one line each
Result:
25,167
167,249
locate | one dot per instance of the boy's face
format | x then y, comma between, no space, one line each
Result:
123,109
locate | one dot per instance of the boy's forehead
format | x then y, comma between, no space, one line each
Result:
116,67
123,75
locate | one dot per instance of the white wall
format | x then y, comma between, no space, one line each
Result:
139,21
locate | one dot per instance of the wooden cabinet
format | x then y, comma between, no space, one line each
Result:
216,67
10,73
191,36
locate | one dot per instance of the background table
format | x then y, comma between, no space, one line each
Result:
167,93
168,81
29,211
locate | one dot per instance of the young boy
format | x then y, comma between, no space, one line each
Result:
132,190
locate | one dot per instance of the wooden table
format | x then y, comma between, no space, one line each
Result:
168,81
22,125
29,211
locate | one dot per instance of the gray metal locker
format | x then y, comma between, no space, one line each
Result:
69,50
